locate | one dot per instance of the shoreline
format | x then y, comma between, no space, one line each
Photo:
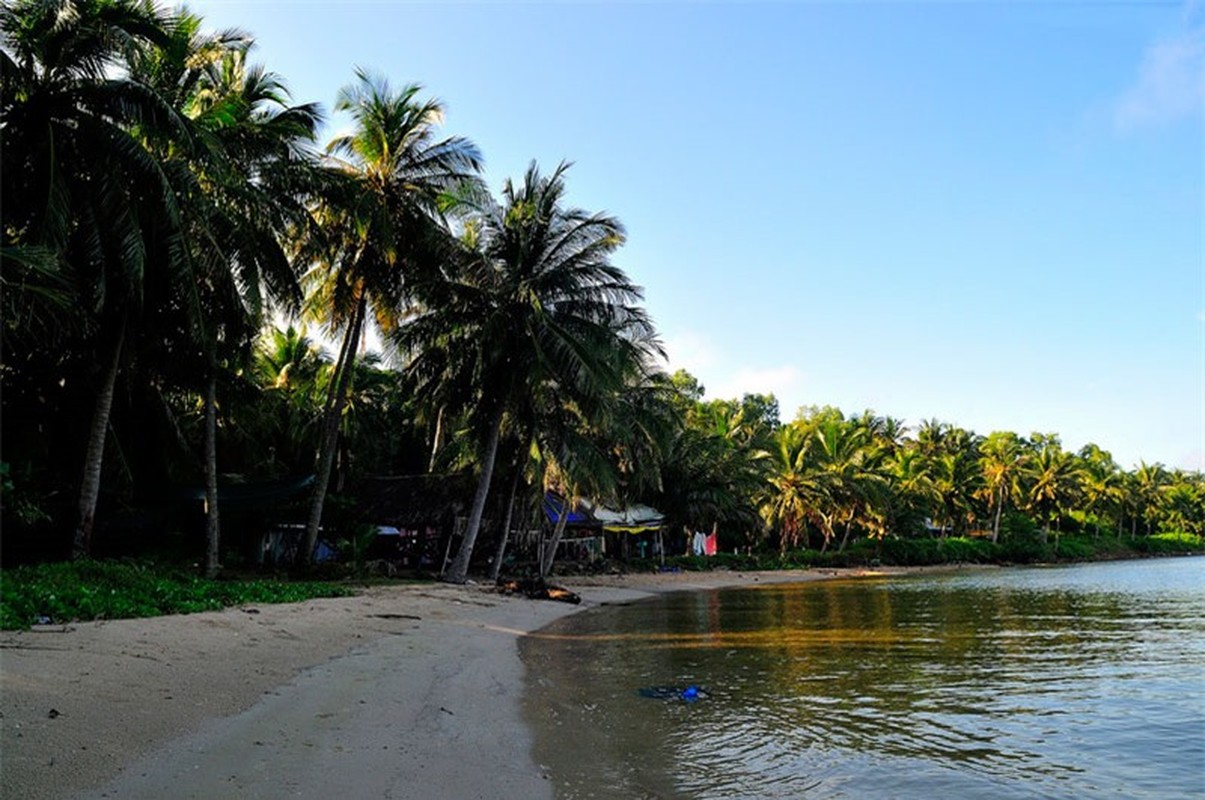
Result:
388,693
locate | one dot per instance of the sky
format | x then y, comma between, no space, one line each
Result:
988,213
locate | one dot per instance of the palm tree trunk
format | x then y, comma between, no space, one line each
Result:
330,426
849,523
999,510
826,532
496,566
437,440
213,561
94,456
460,565
549,554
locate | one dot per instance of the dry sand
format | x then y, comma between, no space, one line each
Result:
401,692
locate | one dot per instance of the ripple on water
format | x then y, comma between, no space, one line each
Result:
1064,682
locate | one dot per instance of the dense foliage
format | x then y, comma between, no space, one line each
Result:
91,590
175,245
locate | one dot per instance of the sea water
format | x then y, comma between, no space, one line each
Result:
1077,681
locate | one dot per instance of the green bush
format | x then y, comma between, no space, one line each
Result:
89,590
1168,543
954,550
1025,550
1074,548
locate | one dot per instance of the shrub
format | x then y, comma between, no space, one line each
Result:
88,590
1074,548
1171,542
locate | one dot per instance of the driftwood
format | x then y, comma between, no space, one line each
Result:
538,589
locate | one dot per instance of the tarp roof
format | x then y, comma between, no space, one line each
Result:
579,516
630,519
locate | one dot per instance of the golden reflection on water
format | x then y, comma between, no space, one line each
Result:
1057,683
779,637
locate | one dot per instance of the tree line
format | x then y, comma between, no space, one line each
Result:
172,225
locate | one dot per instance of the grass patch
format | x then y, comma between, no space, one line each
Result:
90,590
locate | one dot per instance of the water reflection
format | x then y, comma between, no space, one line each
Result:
1054,682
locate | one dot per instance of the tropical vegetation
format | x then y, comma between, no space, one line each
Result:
177,244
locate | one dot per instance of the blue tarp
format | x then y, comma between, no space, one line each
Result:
577,516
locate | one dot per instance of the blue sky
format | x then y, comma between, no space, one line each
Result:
987,213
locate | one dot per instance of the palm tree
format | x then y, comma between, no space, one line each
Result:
1149,483
796,492
1054,480
380,226
78,180
538,311
293,373
1000,463
238,192
914,496
843,453
1100,479
1182,506
713,469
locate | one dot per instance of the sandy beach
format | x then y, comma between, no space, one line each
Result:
401,692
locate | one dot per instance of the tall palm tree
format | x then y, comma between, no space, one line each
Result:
1000,463
797,491
1100,481
1149,483
914,496
78,180
1053,481
381,226
240,189
538,311
843,452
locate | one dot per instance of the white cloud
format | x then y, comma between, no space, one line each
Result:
784,382
689,350
1191,460
1170,83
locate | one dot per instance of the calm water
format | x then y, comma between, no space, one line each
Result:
1084,681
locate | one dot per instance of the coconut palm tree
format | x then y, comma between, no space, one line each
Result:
537,311
1182,504
914,496
1100,482
1149,483
1053,482
1000,462
239,190
843,452
713,469
80,183
380,227
797,491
